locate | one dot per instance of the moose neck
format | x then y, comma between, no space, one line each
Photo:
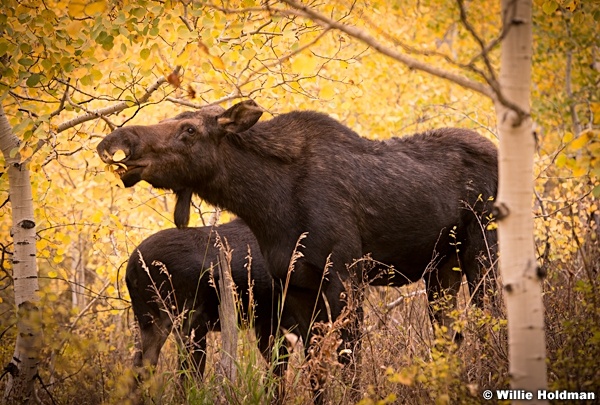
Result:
255,186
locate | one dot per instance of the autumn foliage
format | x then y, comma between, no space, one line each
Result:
70,71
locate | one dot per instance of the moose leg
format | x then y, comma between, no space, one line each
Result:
266,343
337,296
442,286
479,260
306,307
151,340
350,349
192,341
148,344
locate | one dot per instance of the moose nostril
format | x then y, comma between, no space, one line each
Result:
113,157
105,156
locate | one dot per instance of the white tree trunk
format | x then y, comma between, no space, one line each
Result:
24,365
519,270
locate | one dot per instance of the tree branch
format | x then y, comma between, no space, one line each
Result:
406,60
99,113
492,81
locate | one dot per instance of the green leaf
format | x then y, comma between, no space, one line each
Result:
3,46
138,12
25,62
86,80
96,74
108,43
145,53
549,7
596,191
121,18
47,64
33,80
101,37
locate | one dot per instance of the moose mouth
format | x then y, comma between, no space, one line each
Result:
129,174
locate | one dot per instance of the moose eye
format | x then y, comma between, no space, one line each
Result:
187,131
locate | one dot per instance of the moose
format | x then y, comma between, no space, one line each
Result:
416,205
170,281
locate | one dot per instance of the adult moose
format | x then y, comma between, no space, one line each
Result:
414,204
172,276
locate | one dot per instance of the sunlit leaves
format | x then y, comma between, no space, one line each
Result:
73,28
83,8
145,53
550,6
327,91
305,64
215,60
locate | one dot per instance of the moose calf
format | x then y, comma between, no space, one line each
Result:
169,279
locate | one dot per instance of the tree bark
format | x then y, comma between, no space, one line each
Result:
23,368
518,267
227,315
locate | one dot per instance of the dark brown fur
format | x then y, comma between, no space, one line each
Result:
405,201
186,290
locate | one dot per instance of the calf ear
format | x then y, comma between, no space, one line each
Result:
240,117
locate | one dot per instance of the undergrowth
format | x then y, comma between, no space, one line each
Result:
88,355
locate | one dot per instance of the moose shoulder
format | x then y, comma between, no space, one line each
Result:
408,202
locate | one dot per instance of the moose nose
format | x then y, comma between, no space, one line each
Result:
113,154
115,148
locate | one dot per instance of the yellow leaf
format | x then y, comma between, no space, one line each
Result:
184,57
233,56
217,62
401,378
305,64
52,274
41,244
327,91
116,221
76,8
83,8
568,137
249,53
580,142
96,7
118,155
73,28
97,217
101,270
442,399
580,171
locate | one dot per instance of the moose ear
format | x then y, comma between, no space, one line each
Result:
240,117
